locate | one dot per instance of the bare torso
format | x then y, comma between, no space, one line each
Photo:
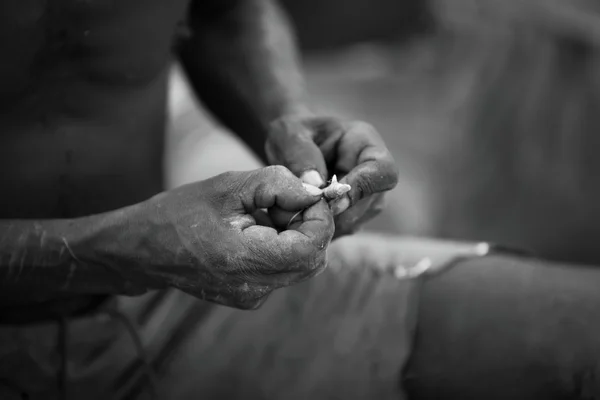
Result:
82,103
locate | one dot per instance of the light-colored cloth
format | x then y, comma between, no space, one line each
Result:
345,334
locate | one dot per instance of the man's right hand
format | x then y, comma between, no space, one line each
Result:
213,240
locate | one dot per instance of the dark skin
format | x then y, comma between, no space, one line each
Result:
82,106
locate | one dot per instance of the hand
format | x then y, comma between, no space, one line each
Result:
213,240
315,149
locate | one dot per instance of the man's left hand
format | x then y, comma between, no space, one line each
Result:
316,148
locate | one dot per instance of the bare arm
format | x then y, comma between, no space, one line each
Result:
198,238
47,258
242,61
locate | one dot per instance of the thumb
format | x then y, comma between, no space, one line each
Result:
291,144
276,186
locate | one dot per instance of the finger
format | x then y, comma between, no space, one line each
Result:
291,144
362,212
369,165
263,218
312,177
362,159
285,279
277,186
282,218
293,250
278,274
314,232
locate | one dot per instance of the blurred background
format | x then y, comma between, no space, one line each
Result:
490,107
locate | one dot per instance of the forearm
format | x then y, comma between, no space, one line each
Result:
243,64
48,258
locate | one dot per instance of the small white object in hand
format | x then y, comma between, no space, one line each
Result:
331,192
335,189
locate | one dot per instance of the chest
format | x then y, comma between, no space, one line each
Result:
103,40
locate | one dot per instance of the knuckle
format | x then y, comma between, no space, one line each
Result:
227,177
382,178
365,186
278,171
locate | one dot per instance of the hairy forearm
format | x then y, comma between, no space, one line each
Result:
242,62
47,258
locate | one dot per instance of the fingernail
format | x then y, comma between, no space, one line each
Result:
340,205
313,190
312,177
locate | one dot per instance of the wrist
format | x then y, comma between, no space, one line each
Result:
109,246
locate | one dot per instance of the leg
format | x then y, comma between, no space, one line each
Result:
507,328
499,327
345,334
